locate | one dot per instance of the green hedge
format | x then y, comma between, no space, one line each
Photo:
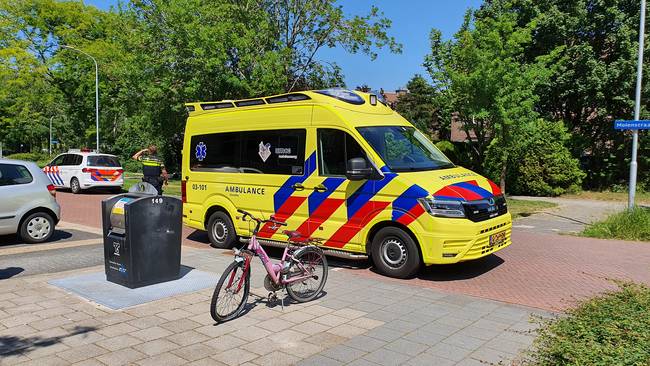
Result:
612,329
40,159
627,225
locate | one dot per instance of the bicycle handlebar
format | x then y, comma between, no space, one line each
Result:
273,221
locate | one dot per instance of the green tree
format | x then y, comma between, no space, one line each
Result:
488,85
419,105
153,56
543,165
303,27
588,48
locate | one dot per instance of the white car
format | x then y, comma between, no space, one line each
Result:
79,170
27,201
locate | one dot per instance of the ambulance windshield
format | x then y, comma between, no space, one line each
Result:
405,149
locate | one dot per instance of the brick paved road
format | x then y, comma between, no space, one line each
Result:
359,321
547,271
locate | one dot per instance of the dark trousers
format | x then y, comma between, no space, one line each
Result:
157,182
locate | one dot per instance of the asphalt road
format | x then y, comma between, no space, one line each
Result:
67,249
50,261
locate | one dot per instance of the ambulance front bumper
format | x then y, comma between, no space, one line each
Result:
458,240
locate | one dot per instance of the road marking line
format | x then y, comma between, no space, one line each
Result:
523,226
41,247
73,226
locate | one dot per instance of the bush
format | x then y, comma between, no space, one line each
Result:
628,225
39,158
612,329
541,164
131,165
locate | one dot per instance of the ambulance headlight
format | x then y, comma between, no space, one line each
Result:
442,208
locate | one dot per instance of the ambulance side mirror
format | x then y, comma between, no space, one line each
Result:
358,169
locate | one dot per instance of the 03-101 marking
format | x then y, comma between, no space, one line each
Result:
199,187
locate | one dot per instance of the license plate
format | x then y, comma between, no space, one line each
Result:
498,239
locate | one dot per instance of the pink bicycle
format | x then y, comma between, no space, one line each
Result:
302,271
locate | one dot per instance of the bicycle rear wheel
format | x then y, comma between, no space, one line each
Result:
231,293
313,263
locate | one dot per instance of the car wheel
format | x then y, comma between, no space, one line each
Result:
221,231
37,228
395,253
75,187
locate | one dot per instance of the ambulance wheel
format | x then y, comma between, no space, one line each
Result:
221,231
395,253
75,187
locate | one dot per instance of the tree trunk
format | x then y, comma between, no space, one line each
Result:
502,178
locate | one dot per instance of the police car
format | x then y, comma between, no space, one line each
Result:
84,169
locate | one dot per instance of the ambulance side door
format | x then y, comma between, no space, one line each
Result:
338,206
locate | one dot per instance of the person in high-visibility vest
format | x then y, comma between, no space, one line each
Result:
153,168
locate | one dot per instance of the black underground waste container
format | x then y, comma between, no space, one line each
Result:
142,239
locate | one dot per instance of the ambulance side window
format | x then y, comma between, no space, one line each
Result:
335,148
253,152
273,152
218,152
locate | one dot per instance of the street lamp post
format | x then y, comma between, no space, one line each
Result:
96,90
50,149
637,108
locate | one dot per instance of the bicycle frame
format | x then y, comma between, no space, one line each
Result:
274,269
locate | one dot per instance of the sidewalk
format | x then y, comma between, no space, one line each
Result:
359,321
570,216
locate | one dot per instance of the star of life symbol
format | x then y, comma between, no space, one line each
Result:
265,151
201,151
117,249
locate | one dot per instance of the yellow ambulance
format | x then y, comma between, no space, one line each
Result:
341,166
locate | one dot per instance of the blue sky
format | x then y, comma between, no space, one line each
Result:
412,22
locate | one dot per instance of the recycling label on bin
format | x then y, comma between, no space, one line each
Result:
118,209
117,267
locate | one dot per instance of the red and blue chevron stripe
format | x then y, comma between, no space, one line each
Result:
406,207
369,189
321,207
361,209
466,191
284,204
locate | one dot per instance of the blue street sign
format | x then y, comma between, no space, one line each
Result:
632,125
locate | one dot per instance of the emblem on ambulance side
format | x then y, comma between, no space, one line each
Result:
201,151
265,151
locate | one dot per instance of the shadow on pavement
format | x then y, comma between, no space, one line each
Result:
10,272
58,235
269,303
199,236
12,345
460,271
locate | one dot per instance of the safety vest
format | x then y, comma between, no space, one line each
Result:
151,166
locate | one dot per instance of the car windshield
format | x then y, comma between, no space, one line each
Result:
405,149
103,161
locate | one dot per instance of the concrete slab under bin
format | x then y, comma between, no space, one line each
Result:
94,287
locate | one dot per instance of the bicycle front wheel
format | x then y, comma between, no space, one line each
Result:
313,264
231,293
